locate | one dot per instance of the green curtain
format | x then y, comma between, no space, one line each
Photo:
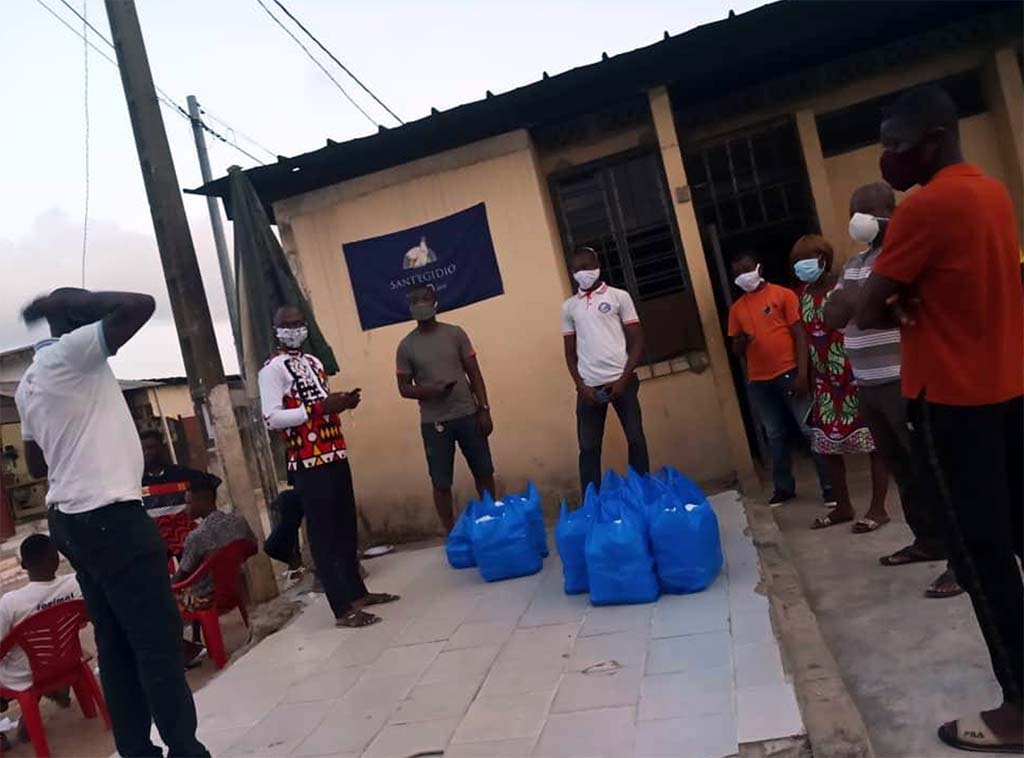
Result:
268,279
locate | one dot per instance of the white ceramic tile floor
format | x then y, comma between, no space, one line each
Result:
496,670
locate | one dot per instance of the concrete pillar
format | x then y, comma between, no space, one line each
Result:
1004,95
817,177
700,280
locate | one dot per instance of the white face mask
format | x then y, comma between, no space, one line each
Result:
588,278
864,227
291,337
749,281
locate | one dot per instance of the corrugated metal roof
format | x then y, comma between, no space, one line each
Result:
742,50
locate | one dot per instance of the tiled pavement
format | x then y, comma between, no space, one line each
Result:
512,669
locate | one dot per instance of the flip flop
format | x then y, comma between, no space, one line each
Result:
379,598
972,733
824,522
947,578
356,619
378,550
865,525
907,555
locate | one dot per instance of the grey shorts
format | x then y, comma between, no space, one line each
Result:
439,442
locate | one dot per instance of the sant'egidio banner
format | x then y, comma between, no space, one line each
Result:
455,254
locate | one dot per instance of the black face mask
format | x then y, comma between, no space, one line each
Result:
903,169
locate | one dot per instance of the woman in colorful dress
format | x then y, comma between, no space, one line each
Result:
836,423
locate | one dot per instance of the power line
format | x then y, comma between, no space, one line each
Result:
162,95
206,112
319,65
334,58
85,214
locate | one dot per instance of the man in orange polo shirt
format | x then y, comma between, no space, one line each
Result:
764,324
951,252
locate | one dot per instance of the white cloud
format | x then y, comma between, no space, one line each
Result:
49,256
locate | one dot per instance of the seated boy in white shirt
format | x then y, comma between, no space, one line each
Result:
44,590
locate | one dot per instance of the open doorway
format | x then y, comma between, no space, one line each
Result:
750,193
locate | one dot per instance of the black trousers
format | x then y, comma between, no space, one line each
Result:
885,412
329,504
121,563
977,456
590,430
282,544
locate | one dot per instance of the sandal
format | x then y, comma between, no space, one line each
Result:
945,586
907,555
824,522
972,733
377,598
865,525
356,619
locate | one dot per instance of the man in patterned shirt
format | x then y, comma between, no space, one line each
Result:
297,402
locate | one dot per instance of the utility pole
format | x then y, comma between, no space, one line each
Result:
262,455
227,274
203,366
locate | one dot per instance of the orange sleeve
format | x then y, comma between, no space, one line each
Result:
790,306
735,327
909,243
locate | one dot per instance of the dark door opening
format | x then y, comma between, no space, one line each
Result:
750,193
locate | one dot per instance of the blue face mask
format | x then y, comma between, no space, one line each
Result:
808,270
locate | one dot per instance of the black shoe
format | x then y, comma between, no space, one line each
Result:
778,498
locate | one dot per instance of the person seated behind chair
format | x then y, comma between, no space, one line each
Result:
44,590
217,528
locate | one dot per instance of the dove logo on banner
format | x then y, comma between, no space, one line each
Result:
454,254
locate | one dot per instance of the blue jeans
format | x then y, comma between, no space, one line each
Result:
777,406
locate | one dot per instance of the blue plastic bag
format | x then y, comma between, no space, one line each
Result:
626,491
535,516
619,564
501,542
459,545
681,485
684,535
571,540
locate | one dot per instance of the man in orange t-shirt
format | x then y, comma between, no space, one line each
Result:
951,250
764,324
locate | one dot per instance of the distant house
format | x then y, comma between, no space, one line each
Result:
163,404
741,134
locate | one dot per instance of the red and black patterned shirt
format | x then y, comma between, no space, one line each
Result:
293,385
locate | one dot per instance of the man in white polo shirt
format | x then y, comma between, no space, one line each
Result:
604,343
79,433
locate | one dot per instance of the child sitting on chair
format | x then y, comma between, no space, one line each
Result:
216,529
44,590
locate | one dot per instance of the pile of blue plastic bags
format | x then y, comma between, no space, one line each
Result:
503,539
641,536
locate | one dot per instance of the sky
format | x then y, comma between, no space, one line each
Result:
247,72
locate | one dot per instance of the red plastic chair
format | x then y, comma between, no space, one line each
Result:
50,640
174,528
225,566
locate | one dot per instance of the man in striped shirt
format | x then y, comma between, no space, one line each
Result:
875,358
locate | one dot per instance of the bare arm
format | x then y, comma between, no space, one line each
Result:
431,391
476,380
739,345
840,306
122,313
572,359
34,460
800,340
634,347
874,305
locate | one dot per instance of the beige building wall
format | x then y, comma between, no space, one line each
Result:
517,338
171,401
848,171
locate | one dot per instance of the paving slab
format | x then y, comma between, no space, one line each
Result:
514,669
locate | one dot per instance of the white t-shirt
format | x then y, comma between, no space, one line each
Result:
597,319
71,405
15,606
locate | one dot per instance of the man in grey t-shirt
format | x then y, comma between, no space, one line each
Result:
438,367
